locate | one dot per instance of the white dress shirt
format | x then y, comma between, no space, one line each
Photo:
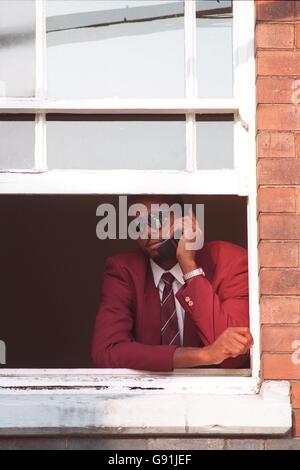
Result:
177,283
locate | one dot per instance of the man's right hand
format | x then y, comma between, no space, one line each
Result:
233,342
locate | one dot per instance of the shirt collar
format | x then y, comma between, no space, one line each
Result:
158,272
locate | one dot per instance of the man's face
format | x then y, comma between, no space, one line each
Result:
155,225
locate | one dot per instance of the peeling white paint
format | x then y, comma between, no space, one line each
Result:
215,381
104,412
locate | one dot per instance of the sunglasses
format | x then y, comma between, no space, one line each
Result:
154,220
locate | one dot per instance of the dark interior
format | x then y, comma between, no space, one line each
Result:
51,271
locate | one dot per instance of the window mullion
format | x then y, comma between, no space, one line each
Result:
40,85
190,82
191,155
40,143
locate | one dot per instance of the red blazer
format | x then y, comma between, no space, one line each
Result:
127,328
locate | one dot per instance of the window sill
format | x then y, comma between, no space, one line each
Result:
141,404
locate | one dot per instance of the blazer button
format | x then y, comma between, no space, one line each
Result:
191,303
187,299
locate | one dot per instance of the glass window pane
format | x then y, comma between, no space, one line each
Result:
16,142
106,49
17,48
112,142
214,142
214,49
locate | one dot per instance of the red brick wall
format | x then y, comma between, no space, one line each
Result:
278,167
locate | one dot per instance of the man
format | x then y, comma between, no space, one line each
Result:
189,310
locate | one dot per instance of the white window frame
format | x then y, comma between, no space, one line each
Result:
239,181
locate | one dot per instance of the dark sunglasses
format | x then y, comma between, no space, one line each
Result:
155,220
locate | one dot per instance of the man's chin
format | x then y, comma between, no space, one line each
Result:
155,256
152,252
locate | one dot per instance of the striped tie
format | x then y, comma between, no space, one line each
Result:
169,322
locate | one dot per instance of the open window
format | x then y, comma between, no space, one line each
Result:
53,267
101,98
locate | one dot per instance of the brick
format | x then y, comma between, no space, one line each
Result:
275,90
185,444
278,255
297,9
296,394
245,444
277,36
279,10
298,200
278,117
296,423
279,227
119,443
298,145
279,367
295,97
280,281
283,63
99,443
275,199
279,310
282,444
276,144
33,443
280,338
283,171
298,35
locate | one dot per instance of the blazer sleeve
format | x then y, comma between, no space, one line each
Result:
213,311
113,343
